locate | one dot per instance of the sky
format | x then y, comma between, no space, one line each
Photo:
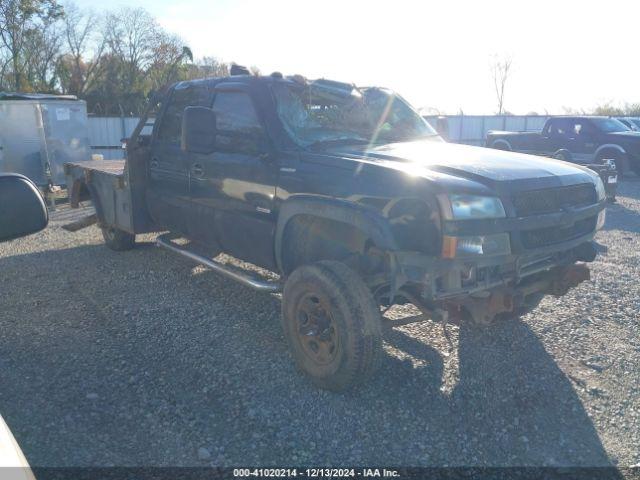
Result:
438,55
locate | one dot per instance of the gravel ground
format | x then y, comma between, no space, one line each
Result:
140,358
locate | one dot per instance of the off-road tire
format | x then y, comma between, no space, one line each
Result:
355,317
118,240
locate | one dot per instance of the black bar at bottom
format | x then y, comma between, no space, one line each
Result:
398,473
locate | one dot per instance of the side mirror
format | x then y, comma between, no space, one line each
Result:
22,208
198,130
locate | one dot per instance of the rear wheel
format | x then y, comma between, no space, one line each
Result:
332,325
117,239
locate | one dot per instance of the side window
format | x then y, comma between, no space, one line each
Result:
191,95
587,130
559,127
578,129
239,129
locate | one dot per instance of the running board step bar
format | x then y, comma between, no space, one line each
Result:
231,272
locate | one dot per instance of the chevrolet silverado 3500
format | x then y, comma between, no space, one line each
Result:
354,201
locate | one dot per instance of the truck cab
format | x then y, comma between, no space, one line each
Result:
225,197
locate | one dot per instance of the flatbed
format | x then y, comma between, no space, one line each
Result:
110,167
107,183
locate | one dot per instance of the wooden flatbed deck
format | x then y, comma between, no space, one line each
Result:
110,167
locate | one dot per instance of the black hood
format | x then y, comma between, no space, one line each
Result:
496,169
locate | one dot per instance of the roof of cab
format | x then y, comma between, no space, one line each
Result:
245,79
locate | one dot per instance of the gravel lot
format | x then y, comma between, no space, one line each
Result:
140,358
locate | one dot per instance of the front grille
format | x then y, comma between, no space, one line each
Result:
550,200
550,236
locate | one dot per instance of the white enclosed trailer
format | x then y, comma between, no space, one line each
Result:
39,133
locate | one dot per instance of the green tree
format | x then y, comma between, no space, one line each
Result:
19,19
42,49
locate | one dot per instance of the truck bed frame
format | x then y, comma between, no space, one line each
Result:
109,185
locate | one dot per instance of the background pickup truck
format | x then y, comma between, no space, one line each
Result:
576,139
354,203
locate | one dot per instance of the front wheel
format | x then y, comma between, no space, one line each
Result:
117,239
332,325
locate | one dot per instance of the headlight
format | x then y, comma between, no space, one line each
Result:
485,245
602,194
472,207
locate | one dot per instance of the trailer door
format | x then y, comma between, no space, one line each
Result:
22,140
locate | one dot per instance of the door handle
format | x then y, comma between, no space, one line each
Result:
154,163
197,170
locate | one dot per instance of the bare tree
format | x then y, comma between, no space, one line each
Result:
131,34
18,21
80,66
500,68
112,61
168,52
138,57
208,67
42,50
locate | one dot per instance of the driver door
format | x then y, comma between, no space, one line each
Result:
557,136
581,144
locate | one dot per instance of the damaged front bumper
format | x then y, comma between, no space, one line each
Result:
487,287
543,254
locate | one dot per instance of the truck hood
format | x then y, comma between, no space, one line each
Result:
490,167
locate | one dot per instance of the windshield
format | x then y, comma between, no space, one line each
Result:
325,112
609,125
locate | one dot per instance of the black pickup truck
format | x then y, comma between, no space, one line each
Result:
354,201
585,140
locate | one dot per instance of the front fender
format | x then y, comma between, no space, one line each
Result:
609,146
364,218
